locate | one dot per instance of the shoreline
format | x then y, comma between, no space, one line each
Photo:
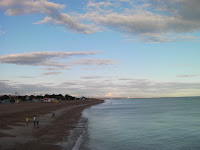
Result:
14,134
74,139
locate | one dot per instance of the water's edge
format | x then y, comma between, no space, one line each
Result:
75,138
76,135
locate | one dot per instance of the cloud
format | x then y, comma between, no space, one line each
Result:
45,20
98,6
21,7
50,69
29,7
158,38
131,88
192,75
12,87
96,62
156,21
126,79
92,77
71,24
152,21
9,3
151,38
108,95
51,73
52,10
146,25
44,58
4,80
132,23
188,10
54,62
28,77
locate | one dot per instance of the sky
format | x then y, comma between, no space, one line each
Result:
93,48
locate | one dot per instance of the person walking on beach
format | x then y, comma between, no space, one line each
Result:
37,123
27,121
34,120
53,115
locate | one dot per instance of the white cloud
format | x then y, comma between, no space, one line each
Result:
45,20
11,87
53,69
149,20
149,26
188,37
97,62
146,22
51,73
126,79
20,7
152,38
27,77
70,23
9,3
108,94
44,58
48,8
92,77
100,6
129,87
160,38
54,60
191,75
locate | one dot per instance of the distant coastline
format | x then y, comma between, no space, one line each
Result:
148,97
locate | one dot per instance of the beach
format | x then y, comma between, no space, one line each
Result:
15,134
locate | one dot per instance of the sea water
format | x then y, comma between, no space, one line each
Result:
143,124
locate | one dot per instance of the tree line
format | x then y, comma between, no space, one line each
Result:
12,98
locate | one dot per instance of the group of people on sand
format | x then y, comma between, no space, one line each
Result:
36,121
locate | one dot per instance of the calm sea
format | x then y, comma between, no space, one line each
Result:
142,124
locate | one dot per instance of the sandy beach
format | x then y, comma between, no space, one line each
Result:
16,135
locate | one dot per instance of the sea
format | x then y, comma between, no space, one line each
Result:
141,124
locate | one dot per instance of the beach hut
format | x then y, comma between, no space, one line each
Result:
54,101
18,101
5,101
35,100
47,100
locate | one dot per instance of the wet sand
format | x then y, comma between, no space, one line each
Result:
15,135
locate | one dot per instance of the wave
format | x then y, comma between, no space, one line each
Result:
75,138
79,141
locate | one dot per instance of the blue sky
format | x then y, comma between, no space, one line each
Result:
131,48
